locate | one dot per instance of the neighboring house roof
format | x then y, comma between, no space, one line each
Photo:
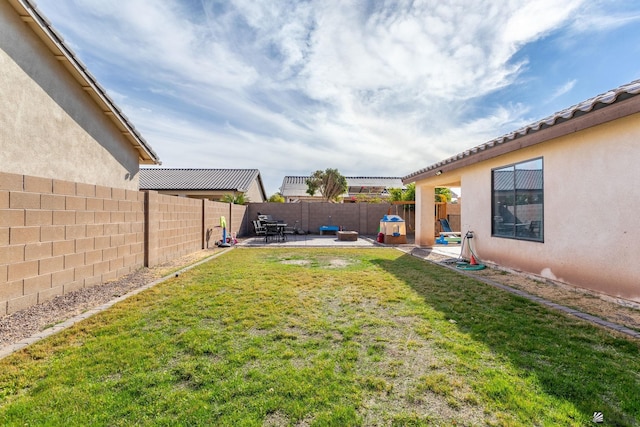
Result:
39,24
581,116
363,184
296,186
199,179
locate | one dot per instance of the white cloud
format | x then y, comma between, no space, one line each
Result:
292,86
604,15
531,20
565,88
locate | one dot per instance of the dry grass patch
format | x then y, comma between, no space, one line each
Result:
259,337
598,305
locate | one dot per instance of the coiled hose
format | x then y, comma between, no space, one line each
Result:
466,265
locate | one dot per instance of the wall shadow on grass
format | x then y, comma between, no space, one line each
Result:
571,359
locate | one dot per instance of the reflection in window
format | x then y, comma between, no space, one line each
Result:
517,206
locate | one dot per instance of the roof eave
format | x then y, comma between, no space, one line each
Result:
628,105
38,23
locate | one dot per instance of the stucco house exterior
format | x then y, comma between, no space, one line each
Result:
71,215
56,121
545,199
294,188
211,184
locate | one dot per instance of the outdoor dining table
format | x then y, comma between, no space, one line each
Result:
275,230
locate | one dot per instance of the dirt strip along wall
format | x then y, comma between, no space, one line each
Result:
59,236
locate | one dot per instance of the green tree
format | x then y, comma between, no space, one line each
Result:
238,199
442,191
395,194
276,198
365,198
330,183
408,194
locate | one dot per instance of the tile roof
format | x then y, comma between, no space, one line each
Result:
198,179
372,185
39,24
368,181
296,186
598,102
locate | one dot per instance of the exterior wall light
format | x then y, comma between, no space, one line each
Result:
439,172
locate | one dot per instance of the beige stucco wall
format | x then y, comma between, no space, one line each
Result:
591,221
49,126
254,194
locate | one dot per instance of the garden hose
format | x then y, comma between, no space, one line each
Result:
466,265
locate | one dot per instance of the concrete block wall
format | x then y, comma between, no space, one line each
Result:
59,236
212,213
346,216
375,212
361,217
174,227
235,216
289,213
239,220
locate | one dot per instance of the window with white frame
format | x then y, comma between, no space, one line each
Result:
517,201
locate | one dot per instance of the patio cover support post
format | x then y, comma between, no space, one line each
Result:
425,215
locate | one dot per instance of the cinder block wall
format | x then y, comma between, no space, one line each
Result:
212,213
361,217
239,220
58,236
174,226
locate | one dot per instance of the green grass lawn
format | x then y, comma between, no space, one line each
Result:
324,337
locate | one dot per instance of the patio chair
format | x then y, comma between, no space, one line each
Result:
289,230
446,229
261,230
534,228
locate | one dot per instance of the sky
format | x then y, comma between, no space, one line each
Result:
371,88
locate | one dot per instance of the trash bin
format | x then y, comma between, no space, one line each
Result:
394,229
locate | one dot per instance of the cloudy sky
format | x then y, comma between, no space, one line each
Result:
372,88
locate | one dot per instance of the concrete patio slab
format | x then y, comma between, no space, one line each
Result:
309,240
